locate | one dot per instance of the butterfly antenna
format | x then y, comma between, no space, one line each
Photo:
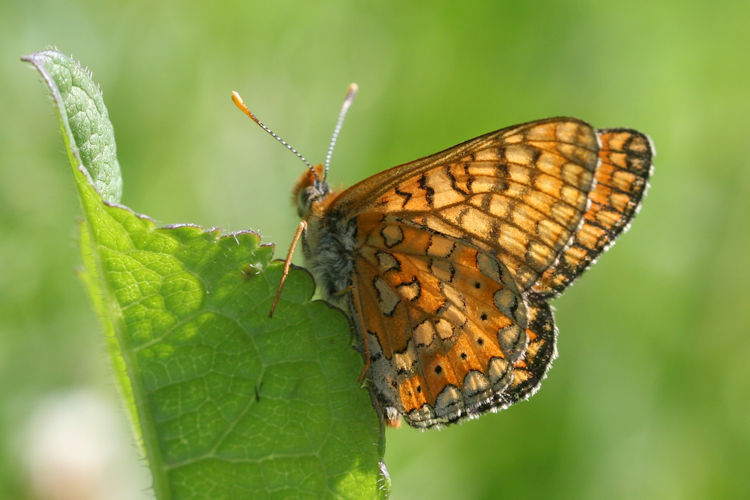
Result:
351,92
243,107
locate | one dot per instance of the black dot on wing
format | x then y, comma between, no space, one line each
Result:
464,355
477,285
480,341
419,389
483,316
438,369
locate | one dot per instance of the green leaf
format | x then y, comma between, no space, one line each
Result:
86,129
225,402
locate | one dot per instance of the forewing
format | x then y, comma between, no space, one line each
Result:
519,193
621,182
444,322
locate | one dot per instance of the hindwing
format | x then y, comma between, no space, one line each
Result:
444,322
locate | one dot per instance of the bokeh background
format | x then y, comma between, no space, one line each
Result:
650,397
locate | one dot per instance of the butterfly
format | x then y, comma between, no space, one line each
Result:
446,264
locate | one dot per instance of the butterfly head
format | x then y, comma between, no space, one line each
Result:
311,193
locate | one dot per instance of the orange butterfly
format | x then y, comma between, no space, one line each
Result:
445,263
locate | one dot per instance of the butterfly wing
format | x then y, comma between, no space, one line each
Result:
444,322
621,182
530,370
456,254
519,193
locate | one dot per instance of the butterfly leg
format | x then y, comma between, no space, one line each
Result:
287,264
358,307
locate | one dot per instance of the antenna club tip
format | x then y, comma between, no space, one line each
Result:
350,93
237,99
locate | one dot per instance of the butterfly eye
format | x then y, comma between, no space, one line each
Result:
309,195
304,201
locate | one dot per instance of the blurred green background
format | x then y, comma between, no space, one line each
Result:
650,397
